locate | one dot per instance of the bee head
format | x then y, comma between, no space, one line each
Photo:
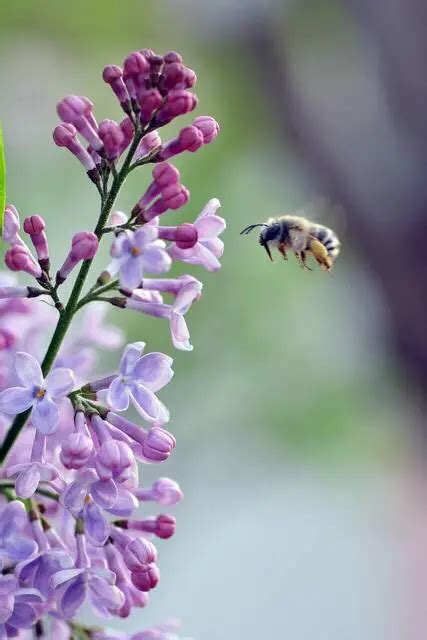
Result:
270,233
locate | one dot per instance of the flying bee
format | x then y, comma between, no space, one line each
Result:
293,233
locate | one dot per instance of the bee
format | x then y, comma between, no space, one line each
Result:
297,234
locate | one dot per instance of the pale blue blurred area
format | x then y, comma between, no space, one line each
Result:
287,415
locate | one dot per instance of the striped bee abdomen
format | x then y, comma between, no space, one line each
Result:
328,238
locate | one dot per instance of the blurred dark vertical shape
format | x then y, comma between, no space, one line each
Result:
371,156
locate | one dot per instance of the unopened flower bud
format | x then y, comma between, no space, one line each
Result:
172,56
83,247
179,102
76,451
164,491
184,235
77,110
165,174
11,225
158,445
146,578
149,143
128,131
114,460
35,226
173,197
208,126
65,135
162,526
149,101
113,75
18,258
189,139
138,552
112,138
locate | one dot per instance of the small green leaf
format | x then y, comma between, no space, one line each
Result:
2,179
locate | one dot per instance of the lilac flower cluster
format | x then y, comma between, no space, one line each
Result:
71,527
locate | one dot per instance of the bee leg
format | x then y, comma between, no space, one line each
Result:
299,259
303,261
282,250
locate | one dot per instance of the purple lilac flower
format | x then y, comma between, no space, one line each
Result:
14,545
134,253
19,608
209,247
174,313
37,392
140,376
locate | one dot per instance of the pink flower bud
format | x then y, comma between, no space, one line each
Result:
172,56
165,526
173,77
65,135
148,144
113,75
136,63
190,139
112,138
7,339
146,578
10,224
179,102
190,78
34,226
114,460
165,174
128,131
149,101
173,197
77,110
76,451
158,445
18,258
138,552
186,236
208,126
83,247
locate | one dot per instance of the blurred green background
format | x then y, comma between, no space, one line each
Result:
294,428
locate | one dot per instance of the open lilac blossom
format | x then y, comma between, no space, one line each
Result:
71,527
37,392
174,313
135,253
140,376
14,545
209,247
19,609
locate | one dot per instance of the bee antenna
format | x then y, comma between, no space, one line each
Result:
247,230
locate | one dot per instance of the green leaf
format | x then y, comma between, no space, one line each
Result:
2,179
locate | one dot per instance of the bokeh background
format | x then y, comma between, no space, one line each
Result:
299,415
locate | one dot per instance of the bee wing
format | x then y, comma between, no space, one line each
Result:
322,211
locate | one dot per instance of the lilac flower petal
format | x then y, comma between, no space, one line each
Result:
179,332
206,258
154,370
8,584
210,226
164,416
104,492
125,504
96,525
59,382
145,401
23,617
131,272
73,597
118,395
28,370
15,400
106,595
27,482
209,209
19,548
6,608
121,244
185,298
214,245
45,416
156,260
74,496
145,235
65,575
131,353
12,518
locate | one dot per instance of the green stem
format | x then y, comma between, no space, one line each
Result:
72,304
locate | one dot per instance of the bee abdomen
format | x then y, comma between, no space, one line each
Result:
328,238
